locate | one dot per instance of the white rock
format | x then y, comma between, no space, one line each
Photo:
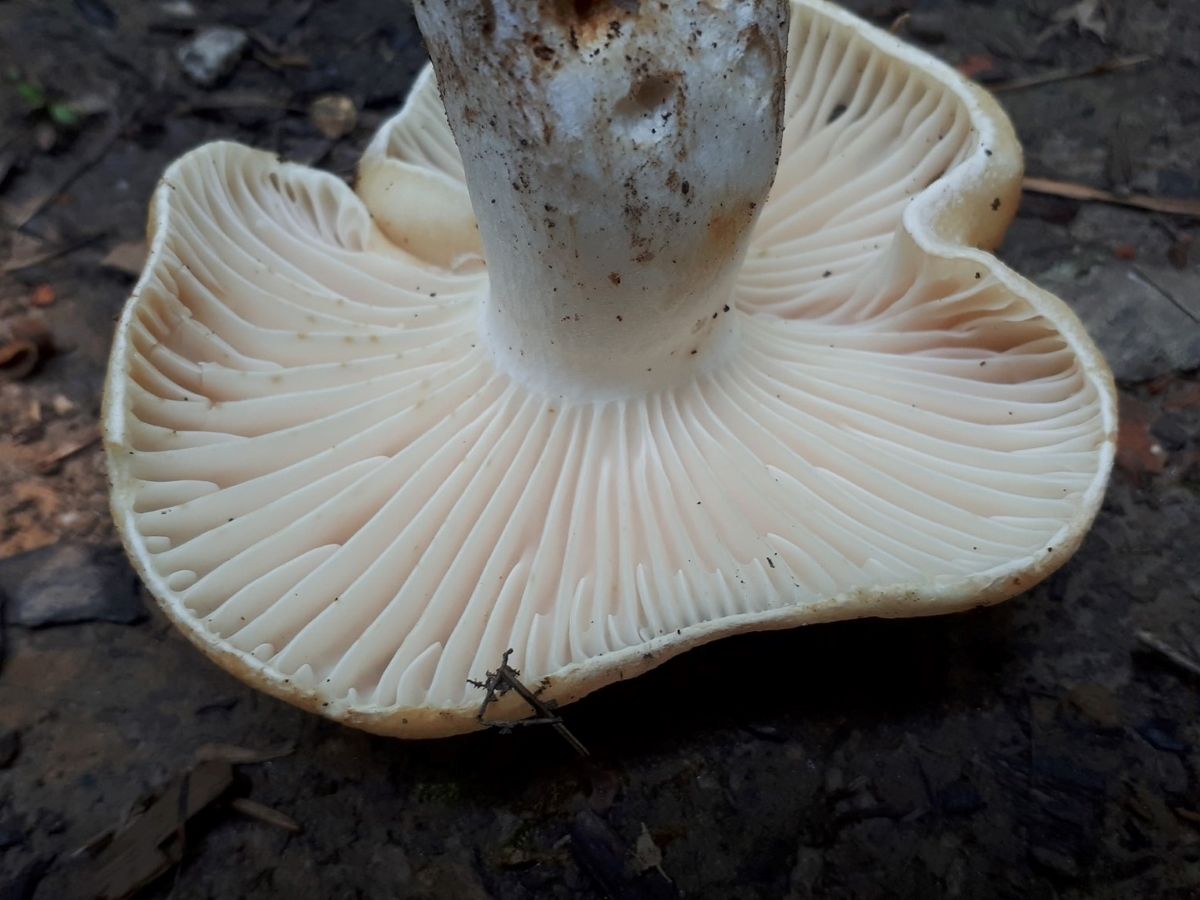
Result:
212,54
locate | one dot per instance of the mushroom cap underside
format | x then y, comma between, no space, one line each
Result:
328,485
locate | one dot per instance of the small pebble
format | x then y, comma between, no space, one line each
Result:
334,115
212,54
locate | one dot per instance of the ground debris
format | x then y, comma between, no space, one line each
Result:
505,679
240,756
647,855
178,9
263,813
1089,16
620,872
212,54
24,344
1073,191
153,839
334,115
49,464
69,583
1181,660
1117,64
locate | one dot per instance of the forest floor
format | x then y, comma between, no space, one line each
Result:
1048,747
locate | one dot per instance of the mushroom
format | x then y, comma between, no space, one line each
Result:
602,387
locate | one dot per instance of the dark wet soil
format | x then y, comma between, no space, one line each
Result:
1037,749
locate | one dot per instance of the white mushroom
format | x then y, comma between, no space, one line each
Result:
355,463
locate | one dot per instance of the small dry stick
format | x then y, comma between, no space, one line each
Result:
1158,645
506,678
1073,191
1119,64
264,813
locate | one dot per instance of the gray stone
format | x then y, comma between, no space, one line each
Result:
68,583
1142,330
212,54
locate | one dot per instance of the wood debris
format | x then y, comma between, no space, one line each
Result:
1181,660
1119,64
505,679
1074,191
263,813
240,756
153,839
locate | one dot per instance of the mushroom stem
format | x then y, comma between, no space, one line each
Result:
617,153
